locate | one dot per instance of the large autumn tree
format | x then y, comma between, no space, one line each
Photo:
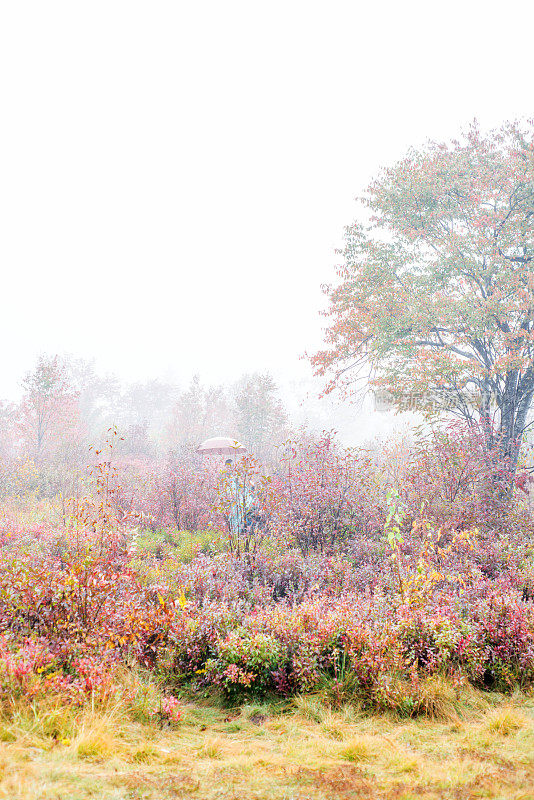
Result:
435,302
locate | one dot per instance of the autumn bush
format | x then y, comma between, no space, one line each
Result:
351,589
175,493
352,642
323,494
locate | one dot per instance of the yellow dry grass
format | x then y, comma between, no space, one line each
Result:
311,752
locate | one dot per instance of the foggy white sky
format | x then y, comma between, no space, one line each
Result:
174,176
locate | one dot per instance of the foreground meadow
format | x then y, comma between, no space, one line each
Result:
263,752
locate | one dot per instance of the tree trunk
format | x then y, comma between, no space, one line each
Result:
515,406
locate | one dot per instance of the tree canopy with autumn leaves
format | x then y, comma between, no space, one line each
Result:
435,302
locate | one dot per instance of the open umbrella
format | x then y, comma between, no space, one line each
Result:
221,446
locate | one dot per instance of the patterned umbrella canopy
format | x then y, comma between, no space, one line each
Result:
221,446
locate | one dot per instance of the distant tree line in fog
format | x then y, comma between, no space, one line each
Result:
66,406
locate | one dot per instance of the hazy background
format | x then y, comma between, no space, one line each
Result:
175,176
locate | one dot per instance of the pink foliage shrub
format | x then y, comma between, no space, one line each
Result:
323,493
175,494
33,668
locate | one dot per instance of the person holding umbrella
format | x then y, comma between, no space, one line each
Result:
239,498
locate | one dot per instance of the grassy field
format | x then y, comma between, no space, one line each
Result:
265,752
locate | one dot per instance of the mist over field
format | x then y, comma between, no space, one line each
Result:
175,180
